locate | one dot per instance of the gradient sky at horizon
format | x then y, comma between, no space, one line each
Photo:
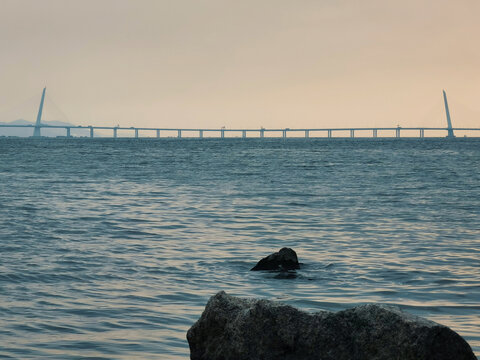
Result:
271,63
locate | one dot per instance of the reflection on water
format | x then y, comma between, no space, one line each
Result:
111,248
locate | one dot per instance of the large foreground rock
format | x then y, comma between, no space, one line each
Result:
236,328
284,259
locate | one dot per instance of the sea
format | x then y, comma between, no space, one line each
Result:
110,248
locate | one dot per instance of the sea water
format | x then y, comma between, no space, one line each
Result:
110,248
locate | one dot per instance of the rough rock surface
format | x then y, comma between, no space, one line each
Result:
285,259
236,328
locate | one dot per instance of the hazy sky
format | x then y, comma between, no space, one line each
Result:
271,63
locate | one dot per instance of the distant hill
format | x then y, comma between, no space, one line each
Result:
27,132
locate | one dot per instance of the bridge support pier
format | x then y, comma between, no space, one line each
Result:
200,134
375,133
179,133
244,134
115,133
329,133
222,133
91,131
158,134
307,134
352,133
422,133
136,133
262,133
68,132
397,132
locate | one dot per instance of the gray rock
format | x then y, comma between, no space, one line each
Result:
285,259
235,328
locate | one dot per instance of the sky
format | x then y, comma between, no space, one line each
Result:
242,64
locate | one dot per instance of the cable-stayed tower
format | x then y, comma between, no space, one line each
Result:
36,131
449,121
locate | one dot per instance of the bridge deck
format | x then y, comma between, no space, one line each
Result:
221,132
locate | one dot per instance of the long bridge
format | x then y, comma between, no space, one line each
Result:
281,133
220,133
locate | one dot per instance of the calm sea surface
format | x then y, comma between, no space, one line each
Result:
109,249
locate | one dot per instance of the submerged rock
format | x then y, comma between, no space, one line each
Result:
285,259
236,328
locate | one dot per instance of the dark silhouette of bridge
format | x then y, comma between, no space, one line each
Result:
220,133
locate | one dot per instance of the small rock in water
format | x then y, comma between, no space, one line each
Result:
232,328
285,259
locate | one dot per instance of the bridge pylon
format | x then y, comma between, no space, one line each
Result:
449,120
36,131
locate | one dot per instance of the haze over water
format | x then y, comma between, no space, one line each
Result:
110,249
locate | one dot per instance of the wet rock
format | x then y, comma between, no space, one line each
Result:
285,259
236,328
